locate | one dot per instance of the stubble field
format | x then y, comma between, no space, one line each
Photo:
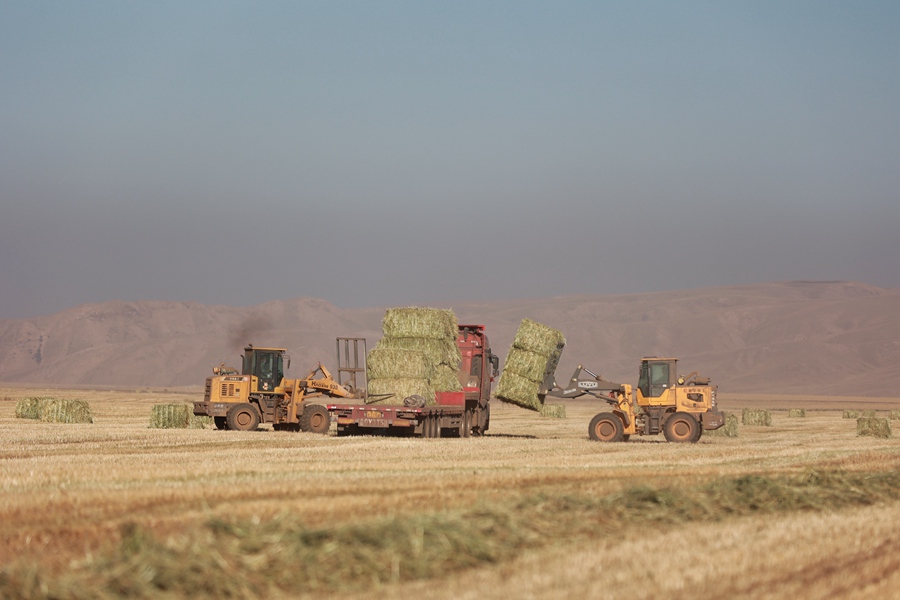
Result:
803,509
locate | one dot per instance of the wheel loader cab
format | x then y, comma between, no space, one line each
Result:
657,376
266,364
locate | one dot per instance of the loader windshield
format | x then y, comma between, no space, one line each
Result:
654,379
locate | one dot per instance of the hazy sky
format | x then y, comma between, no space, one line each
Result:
398,153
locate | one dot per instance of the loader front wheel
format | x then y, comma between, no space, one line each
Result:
315,419
242,417
606,427
681,427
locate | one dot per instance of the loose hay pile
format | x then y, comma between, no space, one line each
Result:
797,413
418,355
177,416
729,429
54,410
873,427
756,416
851,414
554,411
535,351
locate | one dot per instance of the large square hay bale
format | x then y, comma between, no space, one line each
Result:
438,352
873,427
414,322
525,363
756,416
729,429
518,390
61,410
535,351
554,411
869,414
399,388
177,416
385,362
538,338
30,408
894,415
797,413
850,414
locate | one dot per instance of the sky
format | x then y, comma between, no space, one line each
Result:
430,153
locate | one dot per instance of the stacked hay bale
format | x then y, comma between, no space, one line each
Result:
729,429
535,351
417,355
177,416
797,413
54,410
873,427
756,416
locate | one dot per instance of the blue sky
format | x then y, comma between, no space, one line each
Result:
399,153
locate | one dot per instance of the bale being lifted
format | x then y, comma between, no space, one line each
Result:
535,351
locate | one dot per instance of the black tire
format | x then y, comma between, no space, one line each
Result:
606,427
343,430
465,429
315,419
625,437
681,428
220,422
699,432
243,417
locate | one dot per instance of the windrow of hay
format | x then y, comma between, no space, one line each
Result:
54,410
797,413
284,556
417,355
729,429
535,351
873,427
177,416
756,416
554,411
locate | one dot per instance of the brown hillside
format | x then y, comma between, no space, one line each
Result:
812,337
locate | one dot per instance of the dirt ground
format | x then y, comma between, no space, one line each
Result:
67,490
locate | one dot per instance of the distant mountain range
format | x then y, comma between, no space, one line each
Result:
830,338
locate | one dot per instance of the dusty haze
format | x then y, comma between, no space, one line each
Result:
831,338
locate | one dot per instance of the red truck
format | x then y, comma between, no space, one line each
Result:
455,414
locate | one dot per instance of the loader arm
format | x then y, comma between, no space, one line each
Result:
580,384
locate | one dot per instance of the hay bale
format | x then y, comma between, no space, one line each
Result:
177,416
851,414
894,415
414,322
386,363
869,414
797,413
729,429
554,411
538,338
439,352
30,408
756,416
61,410
525,363
400,388
445,378
518,390
873,427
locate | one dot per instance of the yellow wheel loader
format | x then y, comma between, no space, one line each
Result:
679,407
261,394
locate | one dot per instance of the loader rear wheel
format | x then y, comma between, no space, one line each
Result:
682,428
606,427
243,417
315,419
220,422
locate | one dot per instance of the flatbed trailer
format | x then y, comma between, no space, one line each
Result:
454,414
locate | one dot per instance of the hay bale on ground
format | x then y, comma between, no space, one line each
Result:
797,413
869,414
851,414
729,429
30,408
554,411
60,410
177,416
895,414
873,427
535,351
756,416
400,388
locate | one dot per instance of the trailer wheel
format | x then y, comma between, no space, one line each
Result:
315,419
465,429
606,427
220,422
243,417
682,427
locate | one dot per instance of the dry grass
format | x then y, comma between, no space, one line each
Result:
72,493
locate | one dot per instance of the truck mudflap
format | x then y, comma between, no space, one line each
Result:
713,419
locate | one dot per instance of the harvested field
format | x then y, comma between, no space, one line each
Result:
804,509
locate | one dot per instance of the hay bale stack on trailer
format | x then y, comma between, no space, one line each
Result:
535,351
